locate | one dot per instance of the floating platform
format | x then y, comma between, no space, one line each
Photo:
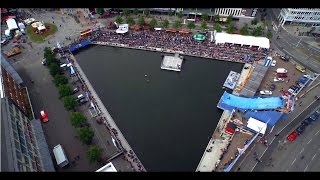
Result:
172,63
231,80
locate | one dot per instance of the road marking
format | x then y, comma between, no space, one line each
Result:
293,161
296,116
317,133
302,150
314,156
305,168
309,141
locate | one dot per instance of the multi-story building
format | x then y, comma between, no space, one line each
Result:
12,87
23,144
302,16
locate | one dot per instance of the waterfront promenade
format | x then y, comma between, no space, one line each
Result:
110,124
220,139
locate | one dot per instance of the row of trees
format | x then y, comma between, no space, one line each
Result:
78,120
230,28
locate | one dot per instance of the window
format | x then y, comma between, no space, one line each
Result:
19,156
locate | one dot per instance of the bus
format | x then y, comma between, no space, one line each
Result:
301,68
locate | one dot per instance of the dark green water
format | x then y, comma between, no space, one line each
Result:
168,120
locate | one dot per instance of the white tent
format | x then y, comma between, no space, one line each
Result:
107,168
261,42
257,125
123,28
12,24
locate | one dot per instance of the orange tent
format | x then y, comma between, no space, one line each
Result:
171,30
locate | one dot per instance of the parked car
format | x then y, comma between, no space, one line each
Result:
266,92
278,79
44,116
281,70
284,58
315,116
44,61
4,42
274,62
75,90
292,136
301,128
272,87
81,96
281,75
82,101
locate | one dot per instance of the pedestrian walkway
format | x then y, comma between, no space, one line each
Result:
116,134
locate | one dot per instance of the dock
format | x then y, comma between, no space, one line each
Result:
220,139
231,80
172,63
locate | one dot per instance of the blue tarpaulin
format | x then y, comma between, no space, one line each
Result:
269,117
82,44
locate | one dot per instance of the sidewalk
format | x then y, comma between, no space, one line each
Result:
111,125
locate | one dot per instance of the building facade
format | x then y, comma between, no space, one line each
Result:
12,87
302,16
23,144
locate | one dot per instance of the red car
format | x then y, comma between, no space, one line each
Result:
44,116
281,75
292,136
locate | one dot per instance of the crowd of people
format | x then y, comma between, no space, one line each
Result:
184,43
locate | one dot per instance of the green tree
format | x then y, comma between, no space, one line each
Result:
126,12
204,17
47,53
153,22
69,102
130,20
60,80
78,119
146,12
217,27
216,18
191,25
135,11
94,153
244,30
86,135
230,28
257,31
165,23
119,20
100,11
141,21
269,35
204,25
254,21
170,13
229,19
177,24
180,14
54,69
64,90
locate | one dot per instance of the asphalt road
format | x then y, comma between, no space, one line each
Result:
287,44
44,95
300,155
283,128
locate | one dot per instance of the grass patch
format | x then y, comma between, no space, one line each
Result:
308,54
40,38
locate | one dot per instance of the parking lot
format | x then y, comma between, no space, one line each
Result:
293,75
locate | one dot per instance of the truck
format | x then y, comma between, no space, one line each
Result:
60,156
13,52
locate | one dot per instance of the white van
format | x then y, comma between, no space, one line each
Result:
60,156
281,70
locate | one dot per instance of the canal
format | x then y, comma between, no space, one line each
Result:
167,117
